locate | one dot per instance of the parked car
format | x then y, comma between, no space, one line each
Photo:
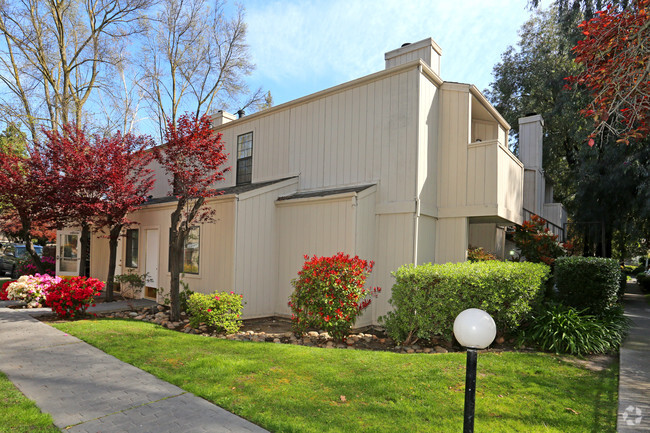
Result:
12,255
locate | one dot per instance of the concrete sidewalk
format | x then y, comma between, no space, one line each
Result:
634,381
86,390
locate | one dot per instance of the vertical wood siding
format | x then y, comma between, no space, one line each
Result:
454,138
359,135
216,250
394,245
320,227
452,240
428,143
256,262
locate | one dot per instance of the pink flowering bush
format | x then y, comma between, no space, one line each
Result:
329,294
71,297
221,310
31,289
27,266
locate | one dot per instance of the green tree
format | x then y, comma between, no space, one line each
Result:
13,140
606,184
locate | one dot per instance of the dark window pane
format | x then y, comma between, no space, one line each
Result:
190,254
132,248
245,158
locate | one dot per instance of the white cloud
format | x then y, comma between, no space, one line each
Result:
301,47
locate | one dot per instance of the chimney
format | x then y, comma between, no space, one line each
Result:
531,134
221,117
426,49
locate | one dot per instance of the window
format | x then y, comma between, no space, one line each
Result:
190,251
132,236
245,158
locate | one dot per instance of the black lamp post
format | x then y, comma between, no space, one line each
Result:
474,329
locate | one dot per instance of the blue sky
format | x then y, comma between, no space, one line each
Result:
301,47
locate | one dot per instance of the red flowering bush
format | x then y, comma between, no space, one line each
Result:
329,294
71,297
536,241
3,290
221,310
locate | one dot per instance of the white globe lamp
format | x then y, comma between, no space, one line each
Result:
474,329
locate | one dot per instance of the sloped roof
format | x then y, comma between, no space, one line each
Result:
324,192
233,190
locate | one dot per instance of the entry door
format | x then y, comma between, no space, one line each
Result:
68,247
151,263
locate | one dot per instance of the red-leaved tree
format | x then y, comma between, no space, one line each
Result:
41,232
22,188
615,53
126,182
193,157
99,181
74,172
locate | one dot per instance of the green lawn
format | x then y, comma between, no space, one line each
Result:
287,388
19,414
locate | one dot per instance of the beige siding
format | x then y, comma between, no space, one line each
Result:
428,145
366,227
256,265
99,254
454,138
216,250
307,227
161,187
482,172
510,174
451,240
394,247
483,130
426,252
364,134
488,236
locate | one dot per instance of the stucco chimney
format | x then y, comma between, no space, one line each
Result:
222,117
426,49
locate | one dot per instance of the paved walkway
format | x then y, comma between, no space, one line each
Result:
634,381
86,390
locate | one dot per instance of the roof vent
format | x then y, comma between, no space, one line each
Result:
405,44
241,113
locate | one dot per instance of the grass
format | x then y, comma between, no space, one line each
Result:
287,388
18,414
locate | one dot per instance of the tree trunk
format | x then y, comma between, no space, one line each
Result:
85,249
27,238
112,260
176,258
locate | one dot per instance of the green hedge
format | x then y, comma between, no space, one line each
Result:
427,298
644,281
590,283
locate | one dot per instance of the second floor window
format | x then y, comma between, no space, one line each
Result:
244,158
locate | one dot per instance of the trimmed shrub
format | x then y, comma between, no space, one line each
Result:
644,281
72,296
329,294
563,329
221,310
427,298
590,283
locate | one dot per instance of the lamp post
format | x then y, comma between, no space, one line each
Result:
474,329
